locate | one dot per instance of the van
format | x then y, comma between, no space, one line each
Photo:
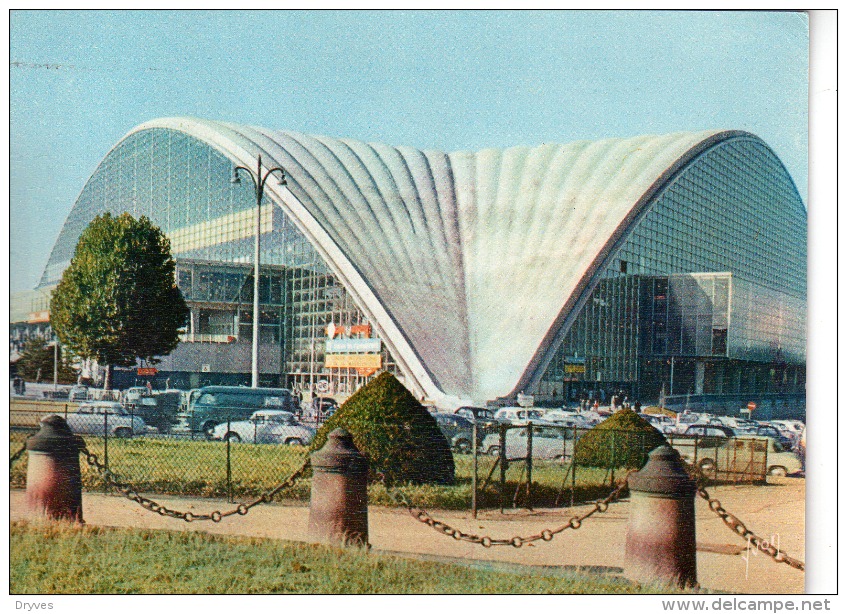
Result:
213,405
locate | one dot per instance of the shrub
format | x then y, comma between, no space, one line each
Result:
624,439
393,430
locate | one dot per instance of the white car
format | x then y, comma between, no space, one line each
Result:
664,424
566,418
547,443
780,462
266,426
519,415
100,417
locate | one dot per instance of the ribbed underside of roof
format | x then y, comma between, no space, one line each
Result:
464,260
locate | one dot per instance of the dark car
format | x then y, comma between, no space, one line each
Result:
483,417
323,407
457,430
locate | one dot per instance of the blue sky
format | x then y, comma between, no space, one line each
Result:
443,80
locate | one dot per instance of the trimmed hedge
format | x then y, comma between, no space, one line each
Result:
622,440
395,432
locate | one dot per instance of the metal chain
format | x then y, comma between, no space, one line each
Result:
739,528
546,535
215,516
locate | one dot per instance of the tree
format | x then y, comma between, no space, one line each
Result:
395,432
118,300
36,363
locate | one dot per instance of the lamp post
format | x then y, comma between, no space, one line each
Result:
259,182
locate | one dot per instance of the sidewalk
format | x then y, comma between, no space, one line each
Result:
776,510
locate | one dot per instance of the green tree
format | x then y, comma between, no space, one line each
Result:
36,363
118,300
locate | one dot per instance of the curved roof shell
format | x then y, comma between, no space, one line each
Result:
467,263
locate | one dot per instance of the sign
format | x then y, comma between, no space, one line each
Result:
147,371
574,368
353,346
365,371
751,406
361,329
38,317
332,330
322,386
206,368
353,361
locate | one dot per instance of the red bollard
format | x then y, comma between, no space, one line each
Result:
338,511
660,540
53,479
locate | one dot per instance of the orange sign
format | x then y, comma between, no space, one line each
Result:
37,317
365,371
751,406
361,329
353,361
147,371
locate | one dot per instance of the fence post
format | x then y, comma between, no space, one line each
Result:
474,476
338,509
502,467
54,479
614,460
229,460
573,466
529,466
660,538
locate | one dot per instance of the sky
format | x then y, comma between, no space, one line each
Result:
79,81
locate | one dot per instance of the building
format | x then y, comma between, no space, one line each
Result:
672,263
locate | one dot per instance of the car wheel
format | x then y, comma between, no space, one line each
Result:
208,429
123,433
493,451
232,437
778,472
294,441
463,446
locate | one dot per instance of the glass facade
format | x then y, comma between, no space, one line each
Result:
183,185
714,274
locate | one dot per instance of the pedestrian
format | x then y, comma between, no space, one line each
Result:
637,406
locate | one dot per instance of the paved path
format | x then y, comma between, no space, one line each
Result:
722,564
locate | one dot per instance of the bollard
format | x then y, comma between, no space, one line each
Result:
660,538
53,479
338,512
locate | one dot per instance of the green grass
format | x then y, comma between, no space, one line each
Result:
198,468
62,558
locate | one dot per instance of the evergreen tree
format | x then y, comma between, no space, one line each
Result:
36,363
118,300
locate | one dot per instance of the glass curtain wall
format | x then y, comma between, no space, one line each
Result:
732,209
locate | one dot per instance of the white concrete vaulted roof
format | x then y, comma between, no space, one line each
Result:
467,263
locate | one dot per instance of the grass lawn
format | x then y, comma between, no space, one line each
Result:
62,558
199,468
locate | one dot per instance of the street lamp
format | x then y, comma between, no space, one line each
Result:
55,344
259,184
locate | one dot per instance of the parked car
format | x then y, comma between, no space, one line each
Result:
457,430
768,430
664,424
548,442
266,426
159,410
213,405
700,437
566,418
518,415
780,462
483,417
686,419
100,417
134,394
78,393
323,407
